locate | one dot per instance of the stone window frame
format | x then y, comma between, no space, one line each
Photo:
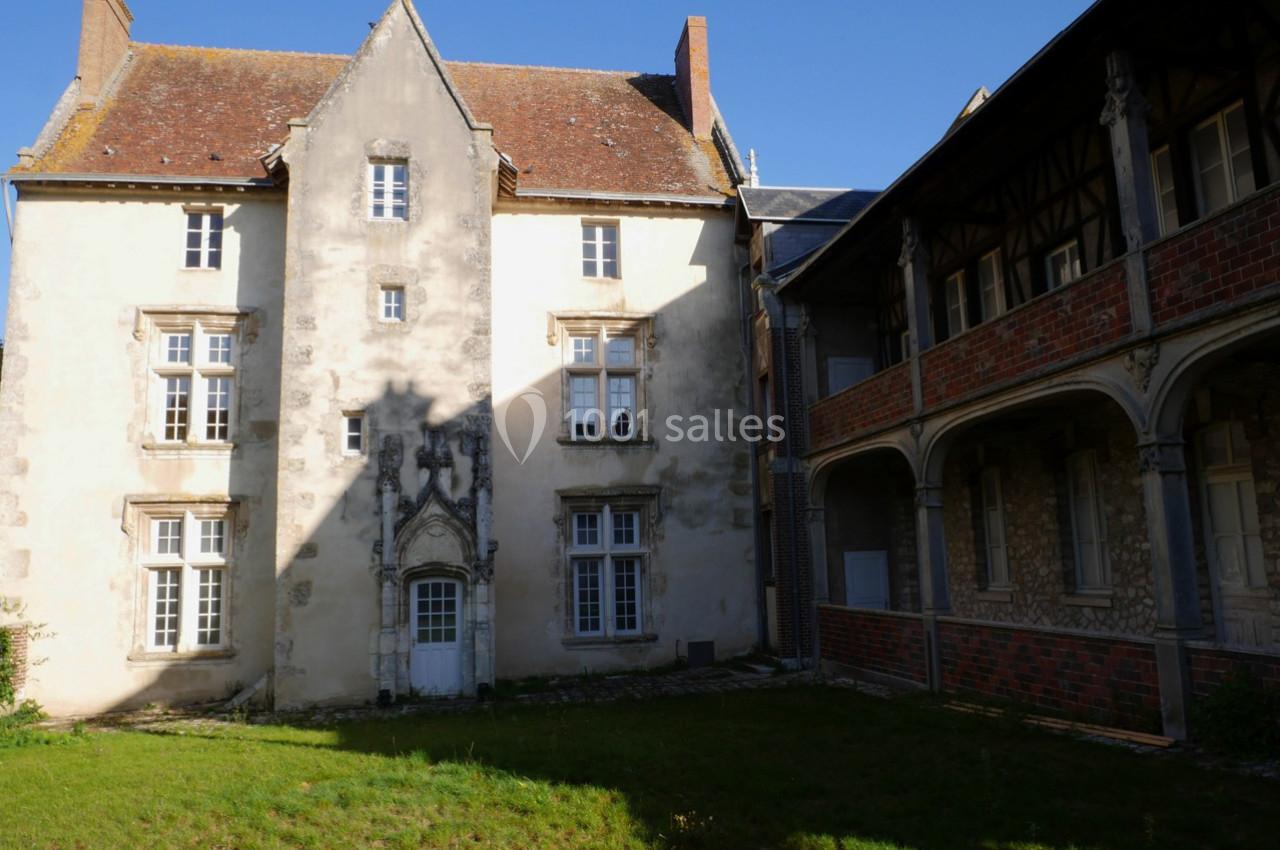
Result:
562,329
152,326
379,278
141,515
645,503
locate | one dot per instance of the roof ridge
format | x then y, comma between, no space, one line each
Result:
346,56
551,68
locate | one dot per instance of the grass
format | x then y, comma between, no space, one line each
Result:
795,768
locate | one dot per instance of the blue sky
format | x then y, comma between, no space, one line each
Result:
828,93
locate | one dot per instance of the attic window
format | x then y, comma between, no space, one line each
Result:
389,189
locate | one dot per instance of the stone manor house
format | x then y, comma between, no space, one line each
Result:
379,343
306,282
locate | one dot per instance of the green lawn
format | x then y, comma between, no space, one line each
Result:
804,767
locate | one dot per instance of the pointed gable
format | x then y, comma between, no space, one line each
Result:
190,112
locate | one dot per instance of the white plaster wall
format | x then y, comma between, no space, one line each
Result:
338,356
72,423
679,266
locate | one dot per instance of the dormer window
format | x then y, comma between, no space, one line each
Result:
204,239
389,189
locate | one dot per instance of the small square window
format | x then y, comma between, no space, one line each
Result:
392,304
622,351
389,190
584,350
220,348
353,434
177,348
586,529
169,537
213,536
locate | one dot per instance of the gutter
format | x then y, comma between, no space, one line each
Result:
138,179
625,197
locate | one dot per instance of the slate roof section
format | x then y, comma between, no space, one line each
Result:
770,203
212,112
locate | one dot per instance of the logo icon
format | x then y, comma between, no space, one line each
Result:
537,407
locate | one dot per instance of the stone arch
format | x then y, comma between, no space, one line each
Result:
946,430
864,508
435,535
1169,398
820,474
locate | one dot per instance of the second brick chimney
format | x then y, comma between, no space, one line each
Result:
693,77
104,42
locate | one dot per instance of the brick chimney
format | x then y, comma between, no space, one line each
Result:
693,77
104,42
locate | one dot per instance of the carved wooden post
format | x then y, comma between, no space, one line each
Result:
914,261
1173,563
1125,115
931,559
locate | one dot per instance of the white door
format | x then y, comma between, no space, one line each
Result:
866,579
435,612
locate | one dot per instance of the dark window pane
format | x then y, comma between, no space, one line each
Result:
215,221
215,259
193,221
193,239
193,259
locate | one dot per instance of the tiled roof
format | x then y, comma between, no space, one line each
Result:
201,112
772,203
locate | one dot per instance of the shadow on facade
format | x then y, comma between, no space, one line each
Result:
311,597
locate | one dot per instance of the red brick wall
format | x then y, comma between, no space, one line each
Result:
1227,260
1210,666
1047,332
1108,679
882,399
889,644
18,647
785,487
